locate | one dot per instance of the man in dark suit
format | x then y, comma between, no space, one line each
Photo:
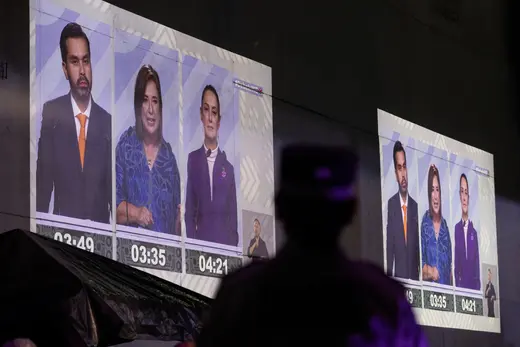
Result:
402,229
310,294
257,248
74,150
211,197
490,295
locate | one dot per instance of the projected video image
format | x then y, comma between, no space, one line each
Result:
73,101
147,144
466,223
258,231
400,193
490,286
148,191
210,133
71,79
438,212
435,232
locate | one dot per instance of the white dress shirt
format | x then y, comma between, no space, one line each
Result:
211,164
465,228
76,111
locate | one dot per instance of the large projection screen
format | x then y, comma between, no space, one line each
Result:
148,146
439,225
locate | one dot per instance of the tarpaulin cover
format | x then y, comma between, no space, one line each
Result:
48,286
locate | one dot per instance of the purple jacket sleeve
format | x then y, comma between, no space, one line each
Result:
476,277
191,203
232,208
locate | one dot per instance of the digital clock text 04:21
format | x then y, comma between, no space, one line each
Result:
209,264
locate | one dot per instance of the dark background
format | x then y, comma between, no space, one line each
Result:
447,65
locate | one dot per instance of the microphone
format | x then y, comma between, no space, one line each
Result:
208,153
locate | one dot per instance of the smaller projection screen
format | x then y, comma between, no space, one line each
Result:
439,225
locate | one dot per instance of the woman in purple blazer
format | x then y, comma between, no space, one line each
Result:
467,259
211,198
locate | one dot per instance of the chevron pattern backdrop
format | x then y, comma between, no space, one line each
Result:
425,147
120,43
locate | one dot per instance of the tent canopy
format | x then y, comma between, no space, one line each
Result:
47,285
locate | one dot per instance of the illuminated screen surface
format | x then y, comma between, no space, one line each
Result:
148,146
439,225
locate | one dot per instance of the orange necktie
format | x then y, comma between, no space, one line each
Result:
405,223
81,139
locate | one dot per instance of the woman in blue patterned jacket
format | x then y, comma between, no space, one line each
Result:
435,236
147,175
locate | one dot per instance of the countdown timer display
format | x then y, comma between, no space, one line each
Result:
438,301
210,264
414,297
469,305
95,243
149,255
152,209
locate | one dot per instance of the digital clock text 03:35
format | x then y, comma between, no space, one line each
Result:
150,255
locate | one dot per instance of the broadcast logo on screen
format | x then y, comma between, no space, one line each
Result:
482,171
248,87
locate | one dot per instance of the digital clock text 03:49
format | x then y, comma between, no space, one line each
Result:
82,242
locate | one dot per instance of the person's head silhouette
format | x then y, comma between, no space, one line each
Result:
317,195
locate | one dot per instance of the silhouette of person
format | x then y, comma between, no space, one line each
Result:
20,343
311,293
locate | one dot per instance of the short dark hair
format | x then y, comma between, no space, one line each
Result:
146,73
71,30
256,220
398,147
434,172
464,176
210,88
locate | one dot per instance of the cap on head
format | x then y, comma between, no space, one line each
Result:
317,187
20,343
314,171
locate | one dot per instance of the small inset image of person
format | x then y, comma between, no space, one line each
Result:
435,235
258,234
257,248
467,259
490,291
